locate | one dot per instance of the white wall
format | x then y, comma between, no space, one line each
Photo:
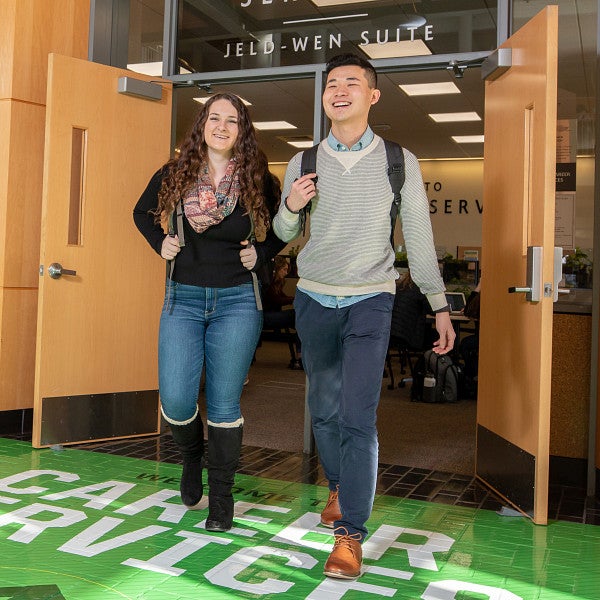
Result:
455,192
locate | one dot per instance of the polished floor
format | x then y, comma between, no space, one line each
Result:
566,503
80,524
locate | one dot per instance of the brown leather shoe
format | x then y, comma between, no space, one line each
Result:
331,512
345,560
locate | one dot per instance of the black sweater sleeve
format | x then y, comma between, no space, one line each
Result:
144,219
272,245
266,250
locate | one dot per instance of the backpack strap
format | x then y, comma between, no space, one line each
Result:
395,159
309,160
176,213
255,285
308,165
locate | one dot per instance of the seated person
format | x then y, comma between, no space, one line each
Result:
274,300
409,314
469,345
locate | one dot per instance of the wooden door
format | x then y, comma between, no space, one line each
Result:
97,329
513,413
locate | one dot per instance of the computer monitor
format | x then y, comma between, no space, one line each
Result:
456,301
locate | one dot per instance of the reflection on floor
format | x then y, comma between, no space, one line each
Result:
566,503
84,525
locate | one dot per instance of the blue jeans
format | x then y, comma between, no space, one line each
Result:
215,328
343,353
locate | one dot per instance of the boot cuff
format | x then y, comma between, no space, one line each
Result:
233,425
173,422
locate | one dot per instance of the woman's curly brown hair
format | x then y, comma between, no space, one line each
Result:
181,172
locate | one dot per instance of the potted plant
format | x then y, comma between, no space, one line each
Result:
401,259
577,264
451,268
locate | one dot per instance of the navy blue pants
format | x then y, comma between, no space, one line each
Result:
343,353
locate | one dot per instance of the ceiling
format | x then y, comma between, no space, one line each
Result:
396,116
405,119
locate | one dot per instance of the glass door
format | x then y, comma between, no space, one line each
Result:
282,111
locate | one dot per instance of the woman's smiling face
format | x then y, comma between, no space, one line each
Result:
221,128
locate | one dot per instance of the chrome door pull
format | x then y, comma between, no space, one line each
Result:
55,271
534,288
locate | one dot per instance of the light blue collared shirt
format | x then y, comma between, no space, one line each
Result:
341,301
366,138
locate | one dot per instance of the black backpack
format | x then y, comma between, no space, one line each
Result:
436,379
395,160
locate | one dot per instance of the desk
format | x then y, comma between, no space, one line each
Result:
457,321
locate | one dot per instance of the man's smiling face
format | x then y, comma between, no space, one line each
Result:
347,97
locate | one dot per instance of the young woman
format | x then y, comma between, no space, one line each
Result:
212,198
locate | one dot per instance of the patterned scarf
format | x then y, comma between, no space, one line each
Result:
204,207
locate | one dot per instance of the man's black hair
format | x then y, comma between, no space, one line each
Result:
342,60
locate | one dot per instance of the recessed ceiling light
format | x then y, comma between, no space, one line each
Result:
152,68
454,117
396,49
273,125
204,99
429,89
468,139
302,144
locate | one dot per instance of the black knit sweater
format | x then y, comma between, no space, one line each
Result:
209,259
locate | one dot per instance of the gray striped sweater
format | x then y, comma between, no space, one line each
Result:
349,251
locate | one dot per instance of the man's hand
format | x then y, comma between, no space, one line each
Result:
170,247
443,324
248,255
302,191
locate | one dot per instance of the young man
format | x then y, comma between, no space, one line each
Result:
345,293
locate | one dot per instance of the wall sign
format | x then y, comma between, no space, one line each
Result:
566,157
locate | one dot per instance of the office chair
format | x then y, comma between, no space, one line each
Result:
408,331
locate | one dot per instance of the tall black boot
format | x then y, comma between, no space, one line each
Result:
189,439
224,446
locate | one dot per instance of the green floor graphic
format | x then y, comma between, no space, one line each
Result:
31,592
82,525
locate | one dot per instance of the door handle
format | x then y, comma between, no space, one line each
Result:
533,289
558,274
55,271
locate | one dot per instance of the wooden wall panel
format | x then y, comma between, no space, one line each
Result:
21,162
29,31
7,39
17,347
4,154
33,29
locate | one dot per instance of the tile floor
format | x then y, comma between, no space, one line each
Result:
82,525
566,503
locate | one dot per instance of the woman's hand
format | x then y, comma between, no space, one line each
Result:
170,247
443,324
248,255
